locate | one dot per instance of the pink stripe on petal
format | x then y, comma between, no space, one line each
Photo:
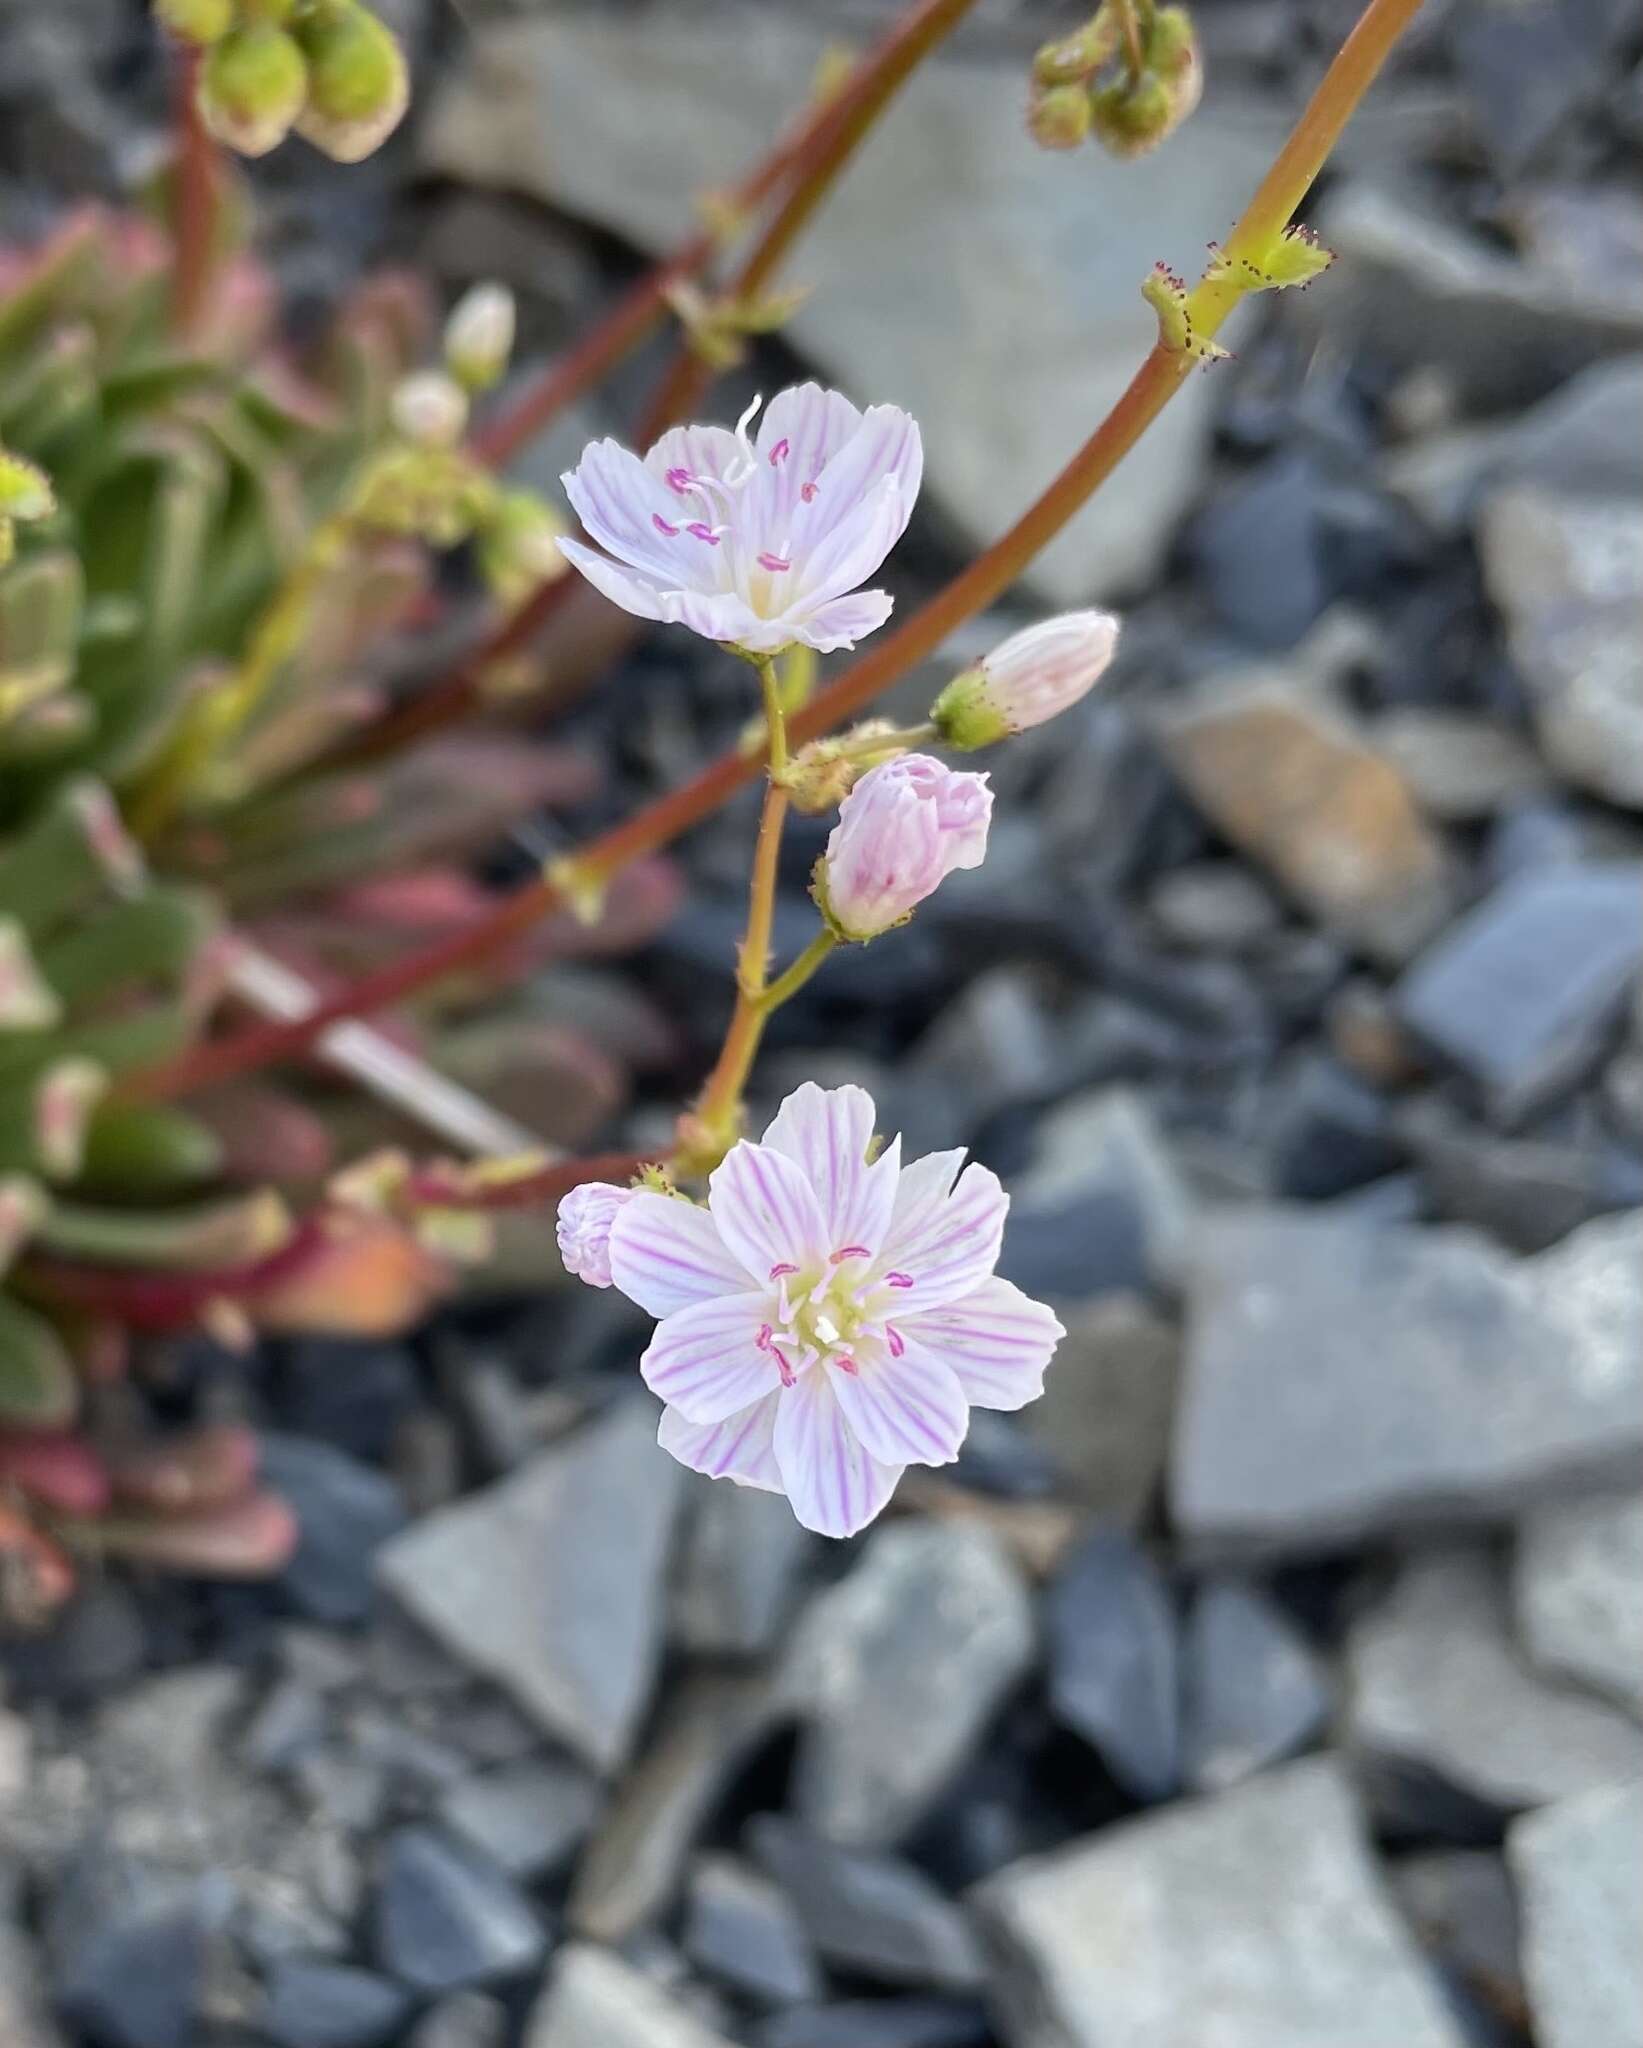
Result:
666,1254
997,1340
949,1244
740,1448
705,1360
825,1132
906,1411
764,1209
835,1486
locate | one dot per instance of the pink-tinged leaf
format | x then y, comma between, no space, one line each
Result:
39,1388
364,1278
206,1468
250,1538
61,1472
35,1576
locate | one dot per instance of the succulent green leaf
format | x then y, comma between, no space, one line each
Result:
38,1385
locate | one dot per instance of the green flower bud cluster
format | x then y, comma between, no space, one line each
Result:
1129,77
327,68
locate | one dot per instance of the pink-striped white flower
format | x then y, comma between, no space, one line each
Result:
1032,676
585,1218
828,1320
902,830
754,543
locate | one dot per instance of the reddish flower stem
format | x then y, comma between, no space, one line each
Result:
193,198
1151,388
434,1187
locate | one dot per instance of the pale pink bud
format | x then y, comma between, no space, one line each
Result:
901,830
1036,674
430,409
479,335
585,1218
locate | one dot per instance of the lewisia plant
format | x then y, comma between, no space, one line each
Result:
828,1317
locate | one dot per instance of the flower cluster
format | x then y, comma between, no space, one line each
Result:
828,1317
1129,77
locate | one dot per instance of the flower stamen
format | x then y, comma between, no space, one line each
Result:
849,1251
662,526
898,1279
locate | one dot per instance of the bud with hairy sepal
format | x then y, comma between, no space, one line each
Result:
823,772
196,21
358,87
479,336
1074,59
1060,116
253,85
1033,676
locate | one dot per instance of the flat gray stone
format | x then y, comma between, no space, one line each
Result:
1523,993
958,270
1567,573
551,1581
1108,1403
1252,1690
1109,1138
1414,289
593,1997
1577,1583
1580,1880
1344,1379
738,1569
1435,1680
1461,1904
1252,1919
631,1869
743,1929
928,1633
528,1816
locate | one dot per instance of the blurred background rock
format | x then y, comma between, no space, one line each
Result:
1278,1681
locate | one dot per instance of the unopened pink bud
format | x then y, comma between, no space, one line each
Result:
1035,675
585,1218
902,829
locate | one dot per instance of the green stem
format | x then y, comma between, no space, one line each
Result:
792,979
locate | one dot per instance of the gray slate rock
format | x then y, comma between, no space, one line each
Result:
930,1631
466,2019
593,1997
742,1929
1108,1403
1461,1904
1578,1571
445,1919
1435,1680
631,1869
1567,573
696,100
874,1916
1253,1919
313,2004
1252,1690
551,1581
345,1511
739,1564
1113,1670
1580,1879
126,1943
880,2023
1108,1139
1344,1380
1522,993
1411,288
527,1817
25,2017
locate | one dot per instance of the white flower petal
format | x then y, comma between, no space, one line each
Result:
815,424
725,617
705,1360
835,1485
909,1410
632,589
740,1448
618,501
826,1133
842,621
839,561
765,1211
666,1254
946,1248
997,1341
886,445
703,451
